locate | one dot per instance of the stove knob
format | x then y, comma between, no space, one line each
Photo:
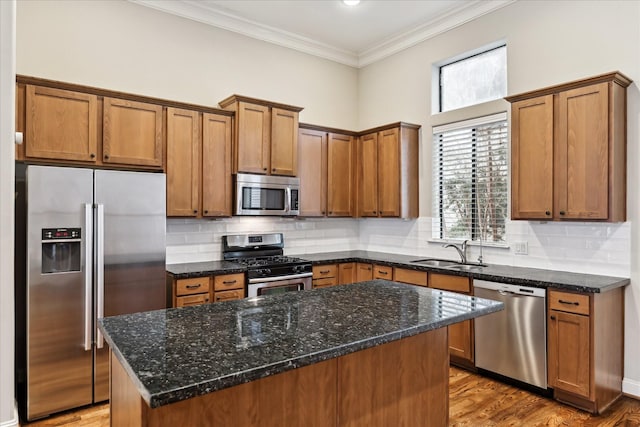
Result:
267,271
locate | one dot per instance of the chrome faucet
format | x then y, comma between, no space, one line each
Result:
462,250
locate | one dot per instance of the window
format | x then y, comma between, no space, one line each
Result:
470,179
474,79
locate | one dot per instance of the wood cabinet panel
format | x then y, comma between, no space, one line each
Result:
132,133
582,151
284,142
228,281
188,300
253,139
217,186
325,282
183,162
569,352
364,272
312,161
346,273
569,302
368,175
61,124
382,272
195,285
412,277
229,295
389,172
532,158
327,270
450,283
340,192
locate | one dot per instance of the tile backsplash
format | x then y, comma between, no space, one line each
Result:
595,248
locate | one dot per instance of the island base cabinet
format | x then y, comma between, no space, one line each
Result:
404,382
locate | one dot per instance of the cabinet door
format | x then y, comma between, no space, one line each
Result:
364,272
253,138
569,352
312,158
368,175
389,173
60,124
382,272
284,142
340,175
132,133
217,197
346,273
582,153
183,162
412,277
532,158
461,340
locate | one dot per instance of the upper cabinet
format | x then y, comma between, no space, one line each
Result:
198,163
65,123
568,151
266,136
326,165
387,171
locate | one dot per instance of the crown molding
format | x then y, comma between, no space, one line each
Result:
201,12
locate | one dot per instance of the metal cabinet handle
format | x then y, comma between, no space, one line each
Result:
92,155
547,213
569,302
206,212
553,317
562,212
195,211
194,286
106,157
384,273
324,271
229,282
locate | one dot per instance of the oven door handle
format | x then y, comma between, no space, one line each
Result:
279,278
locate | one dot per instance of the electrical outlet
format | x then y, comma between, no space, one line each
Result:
521,248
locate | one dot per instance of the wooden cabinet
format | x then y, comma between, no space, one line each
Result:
387,176
265,137
346,273
132,133
364,272
585,347
192,291
412,277
326,172
461,342
568,151
205,289
382,272
60,124
198,164
325,275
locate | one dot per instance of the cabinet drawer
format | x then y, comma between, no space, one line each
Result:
228,295
320,271
325,281
228,281
569,302
382,272
192,300
450,283
412,277
194,285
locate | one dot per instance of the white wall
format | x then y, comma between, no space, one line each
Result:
547,43
8,414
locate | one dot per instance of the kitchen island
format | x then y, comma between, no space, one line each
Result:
370,353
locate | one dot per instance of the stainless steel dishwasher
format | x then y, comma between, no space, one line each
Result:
513,342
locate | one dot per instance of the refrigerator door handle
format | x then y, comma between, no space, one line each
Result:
100,271
88,274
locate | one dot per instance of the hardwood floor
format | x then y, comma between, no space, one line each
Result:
474,401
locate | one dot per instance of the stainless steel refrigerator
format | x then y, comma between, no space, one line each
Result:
95,247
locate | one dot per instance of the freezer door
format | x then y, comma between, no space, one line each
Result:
59,324
130,243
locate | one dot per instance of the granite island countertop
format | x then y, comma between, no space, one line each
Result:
536,277
180,353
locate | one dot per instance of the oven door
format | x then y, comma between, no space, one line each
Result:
278,285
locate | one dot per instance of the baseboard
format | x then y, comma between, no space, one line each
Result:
631,388
14,421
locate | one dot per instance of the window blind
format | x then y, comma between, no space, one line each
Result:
470,174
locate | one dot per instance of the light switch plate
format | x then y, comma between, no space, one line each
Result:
521,248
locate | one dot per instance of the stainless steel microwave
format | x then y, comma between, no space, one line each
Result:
267,195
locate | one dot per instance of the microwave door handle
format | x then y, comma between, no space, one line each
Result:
287,197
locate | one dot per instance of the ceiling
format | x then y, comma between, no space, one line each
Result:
352,35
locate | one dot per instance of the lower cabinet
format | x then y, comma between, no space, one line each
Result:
382,272
584,347
205,289
461,343
325,275
412,277
364,272
346,273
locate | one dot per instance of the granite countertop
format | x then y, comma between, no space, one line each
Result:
536,277
179,353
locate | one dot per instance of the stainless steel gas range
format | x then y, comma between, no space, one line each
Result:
268,270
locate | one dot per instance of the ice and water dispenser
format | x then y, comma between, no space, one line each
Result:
61,250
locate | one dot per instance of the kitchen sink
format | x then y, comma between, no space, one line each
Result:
435,262
468,267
